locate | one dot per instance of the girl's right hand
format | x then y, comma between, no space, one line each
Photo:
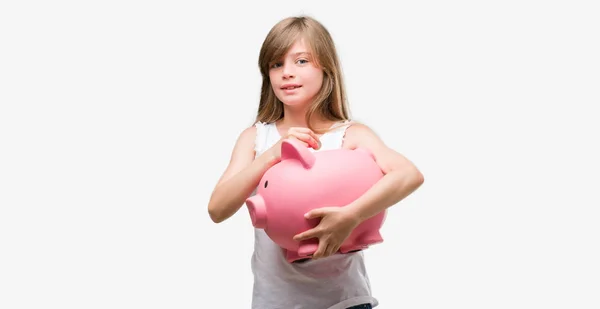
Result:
305,135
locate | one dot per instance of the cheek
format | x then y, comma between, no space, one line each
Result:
271,79
317,79
274,87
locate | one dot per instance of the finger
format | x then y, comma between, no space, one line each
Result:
315,213
332,250
299,140
308,132
313,142
299,129
328,250
320,250
315,138
307,139
312,233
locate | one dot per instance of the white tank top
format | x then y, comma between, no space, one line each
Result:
336,282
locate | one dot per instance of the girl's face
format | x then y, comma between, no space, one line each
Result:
296,79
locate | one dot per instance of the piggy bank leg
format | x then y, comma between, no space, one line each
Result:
293,257
370,238
352,248
361,242
308,247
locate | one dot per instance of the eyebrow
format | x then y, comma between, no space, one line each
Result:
294,55
300,53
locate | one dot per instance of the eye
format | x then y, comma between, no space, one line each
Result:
266,183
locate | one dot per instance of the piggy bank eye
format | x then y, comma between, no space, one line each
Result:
266,183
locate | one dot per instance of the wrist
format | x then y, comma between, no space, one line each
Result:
354,214
268,159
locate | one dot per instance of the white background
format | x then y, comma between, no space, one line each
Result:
118,117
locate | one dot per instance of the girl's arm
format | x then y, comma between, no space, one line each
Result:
400,180
244,172
240,178
401,176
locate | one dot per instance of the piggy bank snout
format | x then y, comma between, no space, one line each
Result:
257,210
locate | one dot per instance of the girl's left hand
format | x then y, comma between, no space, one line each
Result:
335,226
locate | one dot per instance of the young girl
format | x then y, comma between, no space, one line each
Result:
303,98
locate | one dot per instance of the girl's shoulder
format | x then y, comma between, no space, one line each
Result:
357,133
249,132
246,138
254,129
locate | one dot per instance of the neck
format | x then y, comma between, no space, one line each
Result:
296,117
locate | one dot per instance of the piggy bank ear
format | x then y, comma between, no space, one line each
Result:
294,150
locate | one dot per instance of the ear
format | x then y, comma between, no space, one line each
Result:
294,150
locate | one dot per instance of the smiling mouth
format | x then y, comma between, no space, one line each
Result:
291,88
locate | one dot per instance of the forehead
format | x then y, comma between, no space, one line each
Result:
299,47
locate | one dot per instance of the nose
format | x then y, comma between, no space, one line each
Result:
288,71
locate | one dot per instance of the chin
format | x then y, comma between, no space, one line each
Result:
293,102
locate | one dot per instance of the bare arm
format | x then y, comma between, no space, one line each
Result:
240,178
400,180
401,176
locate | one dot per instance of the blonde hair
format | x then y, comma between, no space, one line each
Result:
330,101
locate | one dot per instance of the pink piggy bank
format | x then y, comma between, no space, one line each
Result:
306,180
